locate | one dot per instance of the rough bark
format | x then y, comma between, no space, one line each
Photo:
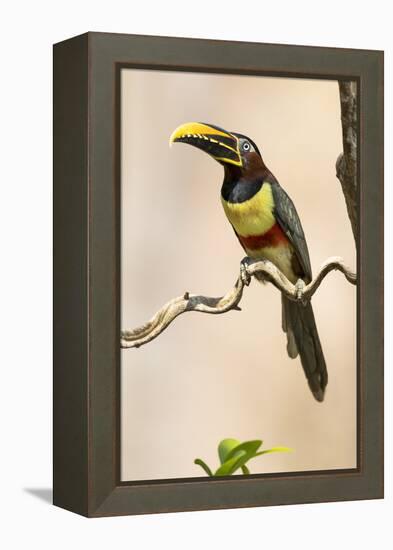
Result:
346,165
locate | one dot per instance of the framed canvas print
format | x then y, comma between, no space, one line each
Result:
218,274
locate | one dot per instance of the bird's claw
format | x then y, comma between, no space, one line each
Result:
299,287
244,274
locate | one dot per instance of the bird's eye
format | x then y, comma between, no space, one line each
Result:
246,146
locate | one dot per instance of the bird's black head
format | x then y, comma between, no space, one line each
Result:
234,151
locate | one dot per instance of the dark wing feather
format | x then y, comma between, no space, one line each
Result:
298,320
288,219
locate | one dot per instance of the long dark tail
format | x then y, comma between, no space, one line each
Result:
302,339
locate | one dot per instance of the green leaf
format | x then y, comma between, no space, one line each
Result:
238,456
249,447
275,450
203,465
230,466
225,447
234,455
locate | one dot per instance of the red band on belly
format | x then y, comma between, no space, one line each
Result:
274,237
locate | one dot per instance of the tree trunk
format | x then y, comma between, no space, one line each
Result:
346,165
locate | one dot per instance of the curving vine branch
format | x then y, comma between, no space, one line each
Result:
230,301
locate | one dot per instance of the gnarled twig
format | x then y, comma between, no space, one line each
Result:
230,301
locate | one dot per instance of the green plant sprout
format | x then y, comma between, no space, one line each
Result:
234,455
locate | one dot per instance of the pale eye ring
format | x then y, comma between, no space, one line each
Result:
246,146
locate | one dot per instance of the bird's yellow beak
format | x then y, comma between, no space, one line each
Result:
218,143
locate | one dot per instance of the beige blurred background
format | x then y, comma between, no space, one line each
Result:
210,377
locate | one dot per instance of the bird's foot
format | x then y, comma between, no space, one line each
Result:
244,274
299,287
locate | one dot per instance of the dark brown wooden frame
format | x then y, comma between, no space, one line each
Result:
87,274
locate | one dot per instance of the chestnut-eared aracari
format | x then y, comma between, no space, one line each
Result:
267,225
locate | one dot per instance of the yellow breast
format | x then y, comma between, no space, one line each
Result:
254,216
